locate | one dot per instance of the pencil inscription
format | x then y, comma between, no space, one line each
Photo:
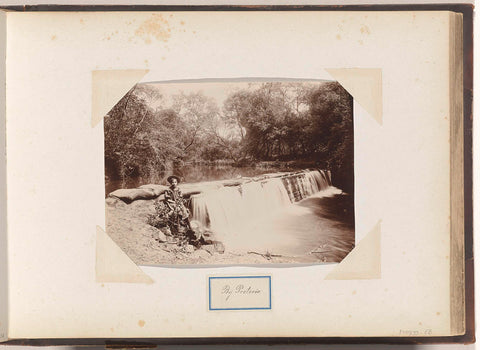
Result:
415,333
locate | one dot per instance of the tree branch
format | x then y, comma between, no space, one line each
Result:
192,141
141,121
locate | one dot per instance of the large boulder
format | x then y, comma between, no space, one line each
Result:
157,189
130,195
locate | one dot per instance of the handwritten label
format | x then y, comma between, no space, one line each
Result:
239,293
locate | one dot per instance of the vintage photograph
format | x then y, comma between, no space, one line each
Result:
231,172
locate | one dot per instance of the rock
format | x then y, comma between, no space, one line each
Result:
209,237
143,206
161,236
219,247
216,247
210,248
201,254
189,248
129,195
166,231
111,201
197,226
157,189
233,182
114,202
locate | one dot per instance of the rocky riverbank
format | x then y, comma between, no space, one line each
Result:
127,225
128,212
146,245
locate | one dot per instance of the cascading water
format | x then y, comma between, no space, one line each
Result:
229,211
328,176
305,184
219,209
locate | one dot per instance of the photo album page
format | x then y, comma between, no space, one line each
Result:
192,174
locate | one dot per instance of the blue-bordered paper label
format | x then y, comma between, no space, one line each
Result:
239,293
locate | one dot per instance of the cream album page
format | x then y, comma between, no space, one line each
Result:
228,174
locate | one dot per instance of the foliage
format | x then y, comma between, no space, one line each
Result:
291,121
160,218
264,122
199,115
330,132
139,140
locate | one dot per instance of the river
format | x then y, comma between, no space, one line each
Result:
193,173
299,215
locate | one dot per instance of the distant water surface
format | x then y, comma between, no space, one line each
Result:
195,173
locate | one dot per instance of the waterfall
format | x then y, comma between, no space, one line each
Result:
328,176
228,211
220,209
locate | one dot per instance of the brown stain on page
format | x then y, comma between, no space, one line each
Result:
141,323
155,27
364,29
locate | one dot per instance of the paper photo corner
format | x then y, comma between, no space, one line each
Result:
365,86
108,87
363,262
113,265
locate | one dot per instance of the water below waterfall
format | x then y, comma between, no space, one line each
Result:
280,214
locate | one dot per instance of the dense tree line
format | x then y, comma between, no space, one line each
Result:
268,121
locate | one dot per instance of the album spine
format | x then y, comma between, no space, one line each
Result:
457,198
3,184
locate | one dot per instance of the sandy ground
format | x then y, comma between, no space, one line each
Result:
318,229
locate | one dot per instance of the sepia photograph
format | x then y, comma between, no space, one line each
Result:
231,172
